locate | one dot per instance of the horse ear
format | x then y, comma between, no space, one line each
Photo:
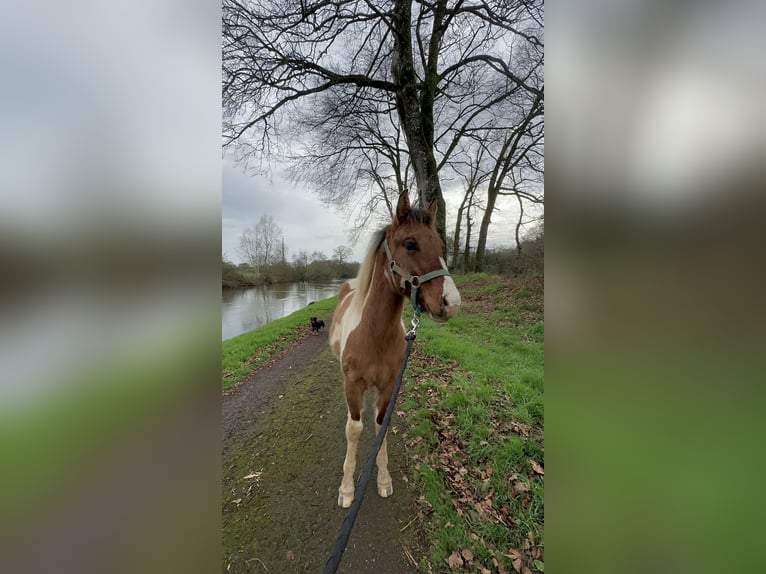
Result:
403,207
432,208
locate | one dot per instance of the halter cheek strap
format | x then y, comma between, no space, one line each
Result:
414,280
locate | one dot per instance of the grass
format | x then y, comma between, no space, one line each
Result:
244,353
472,421
473,409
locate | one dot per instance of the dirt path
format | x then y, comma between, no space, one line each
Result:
283,428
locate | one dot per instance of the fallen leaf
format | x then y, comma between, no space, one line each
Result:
484,570
536,467
237,501
540,565
454,560
290,555
467,554
517,564
500,569
520,487
253,475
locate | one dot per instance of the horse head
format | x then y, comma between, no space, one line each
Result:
416,260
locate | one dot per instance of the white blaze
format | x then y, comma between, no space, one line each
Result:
449,291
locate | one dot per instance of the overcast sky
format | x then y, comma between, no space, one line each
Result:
310,225
305,222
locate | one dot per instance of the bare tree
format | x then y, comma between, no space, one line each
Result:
283,250
519,223
358,71
268,238
467,248
263,244
357,150
517,158
301,260
317,256
248,248
341,253
473,174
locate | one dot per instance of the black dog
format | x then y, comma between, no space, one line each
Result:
316,325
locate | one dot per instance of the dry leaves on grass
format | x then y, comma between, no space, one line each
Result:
462,473
460,558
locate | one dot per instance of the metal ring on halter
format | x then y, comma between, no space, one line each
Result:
415,322
415,281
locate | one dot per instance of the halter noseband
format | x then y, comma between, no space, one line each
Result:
414,280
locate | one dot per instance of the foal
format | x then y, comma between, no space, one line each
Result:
367,332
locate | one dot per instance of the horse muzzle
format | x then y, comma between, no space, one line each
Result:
446,311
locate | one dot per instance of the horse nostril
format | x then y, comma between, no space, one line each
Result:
444,302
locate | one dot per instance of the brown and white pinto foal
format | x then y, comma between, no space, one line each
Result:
367,332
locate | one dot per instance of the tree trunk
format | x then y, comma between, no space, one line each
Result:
506,160
467,250
518,227
414,105
484,228
456,237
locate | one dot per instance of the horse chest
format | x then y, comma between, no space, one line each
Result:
372,360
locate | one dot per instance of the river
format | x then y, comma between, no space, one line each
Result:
245,309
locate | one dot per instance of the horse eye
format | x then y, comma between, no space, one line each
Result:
410,245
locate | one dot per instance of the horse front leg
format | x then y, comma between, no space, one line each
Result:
385,484
346,490
354,428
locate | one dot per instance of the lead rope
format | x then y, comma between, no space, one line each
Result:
348,522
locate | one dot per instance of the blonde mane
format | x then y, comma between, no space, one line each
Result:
364,277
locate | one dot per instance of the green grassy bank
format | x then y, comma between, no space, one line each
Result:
242,354
473,406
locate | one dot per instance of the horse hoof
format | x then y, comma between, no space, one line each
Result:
345,501
385,490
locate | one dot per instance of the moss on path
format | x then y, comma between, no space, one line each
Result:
282,467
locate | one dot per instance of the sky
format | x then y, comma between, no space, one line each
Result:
306,223
310,225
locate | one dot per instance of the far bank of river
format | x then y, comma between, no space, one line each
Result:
245,309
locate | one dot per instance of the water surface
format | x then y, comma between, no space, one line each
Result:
245,309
